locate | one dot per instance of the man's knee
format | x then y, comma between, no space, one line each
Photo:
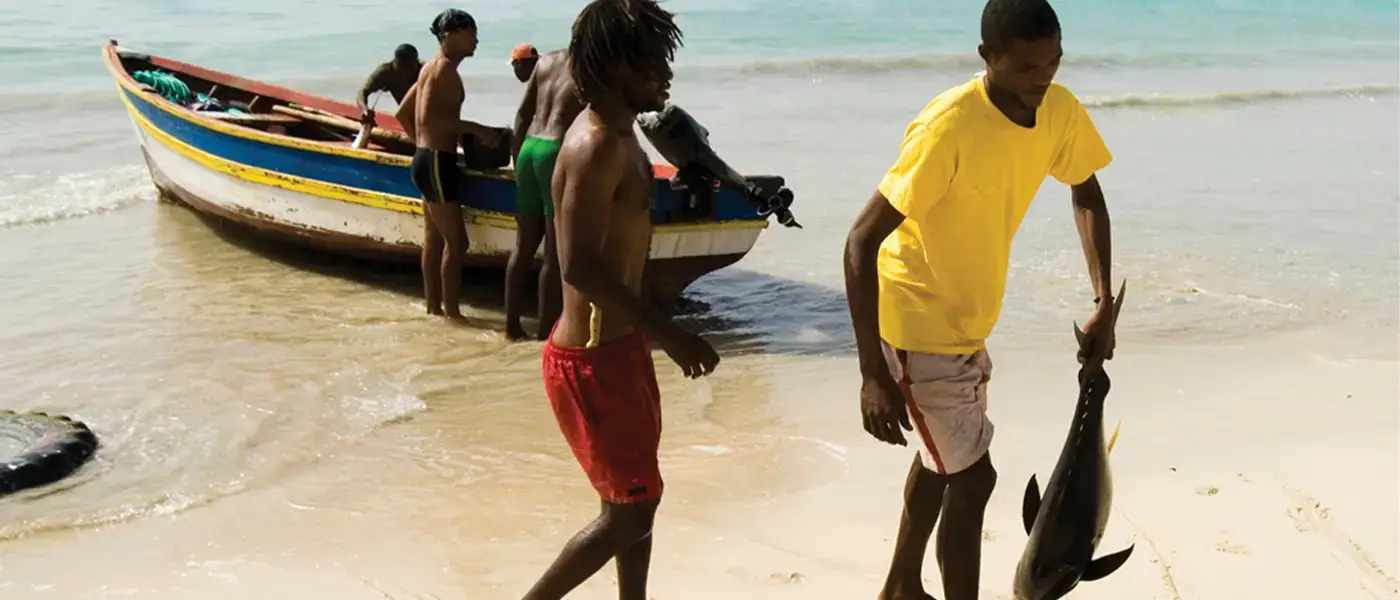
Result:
972,487
626,524
456,242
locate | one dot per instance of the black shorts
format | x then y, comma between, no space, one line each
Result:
436,175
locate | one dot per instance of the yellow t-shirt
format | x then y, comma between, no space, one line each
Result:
964,178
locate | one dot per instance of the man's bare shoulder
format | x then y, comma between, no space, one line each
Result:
553,69
435,69
591,148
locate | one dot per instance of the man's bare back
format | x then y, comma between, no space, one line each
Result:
438,105
595,153
556,100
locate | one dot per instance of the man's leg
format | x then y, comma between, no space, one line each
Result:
959,549
633,564
947,402
447,216
529,231
431,262
550,287
923,497
622,531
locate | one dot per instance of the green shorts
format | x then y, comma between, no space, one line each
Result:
534,169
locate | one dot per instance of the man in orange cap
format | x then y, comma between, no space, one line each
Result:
523,59
550,104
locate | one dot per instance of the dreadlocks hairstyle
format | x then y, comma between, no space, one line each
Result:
611,33
1025,20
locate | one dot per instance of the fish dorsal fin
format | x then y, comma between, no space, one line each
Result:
1030,505
1117,308
1104,566
1115,437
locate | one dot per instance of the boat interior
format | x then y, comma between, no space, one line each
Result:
256,105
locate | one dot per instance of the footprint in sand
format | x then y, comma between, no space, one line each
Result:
1208,490
1228,546
1310,516
989,535
786,578
776,578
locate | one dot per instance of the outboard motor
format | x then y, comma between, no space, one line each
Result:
686,144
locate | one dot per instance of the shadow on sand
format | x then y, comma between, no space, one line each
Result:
739,311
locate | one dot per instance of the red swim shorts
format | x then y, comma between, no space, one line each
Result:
609,408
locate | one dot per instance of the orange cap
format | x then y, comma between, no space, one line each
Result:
524,51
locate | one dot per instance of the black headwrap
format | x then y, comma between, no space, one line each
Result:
451,20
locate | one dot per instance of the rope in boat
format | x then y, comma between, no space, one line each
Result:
171,88
168,86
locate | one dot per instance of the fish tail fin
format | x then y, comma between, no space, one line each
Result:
1114,439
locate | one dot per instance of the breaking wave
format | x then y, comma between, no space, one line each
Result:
26,199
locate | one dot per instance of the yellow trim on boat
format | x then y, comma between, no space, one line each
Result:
372,199
288,182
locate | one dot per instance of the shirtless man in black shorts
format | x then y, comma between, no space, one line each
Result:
431,115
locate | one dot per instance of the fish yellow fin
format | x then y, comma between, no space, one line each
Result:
1115,436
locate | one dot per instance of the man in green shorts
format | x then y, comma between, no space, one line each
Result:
549,106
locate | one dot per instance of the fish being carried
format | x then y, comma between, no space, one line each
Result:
1065,525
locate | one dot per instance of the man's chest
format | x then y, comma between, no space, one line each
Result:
639,183
1008,158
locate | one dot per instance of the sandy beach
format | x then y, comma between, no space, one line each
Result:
1241,471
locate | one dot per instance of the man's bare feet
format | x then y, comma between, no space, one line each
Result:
435,311
901,594
515,333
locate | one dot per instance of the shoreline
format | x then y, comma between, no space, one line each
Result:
1243,477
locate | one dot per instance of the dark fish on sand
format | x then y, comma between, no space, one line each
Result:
1066,524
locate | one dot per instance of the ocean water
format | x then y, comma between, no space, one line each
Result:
1255,193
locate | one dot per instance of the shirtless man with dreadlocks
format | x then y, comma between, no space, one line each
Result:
597,366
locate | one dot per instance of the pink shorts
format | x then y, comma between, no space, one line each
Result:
946,396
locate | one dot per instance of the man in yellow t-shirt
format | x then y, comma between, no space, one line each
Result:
926,265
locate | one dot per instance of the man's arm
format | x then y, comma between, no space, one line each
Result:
1081,156
875,223
1091,217
376,82
408,112
524,115
592,174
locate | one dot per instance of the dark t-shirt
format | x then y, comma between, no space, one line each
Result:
386,78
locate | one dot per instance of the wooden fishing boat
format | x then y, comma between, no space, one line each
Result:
281,162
